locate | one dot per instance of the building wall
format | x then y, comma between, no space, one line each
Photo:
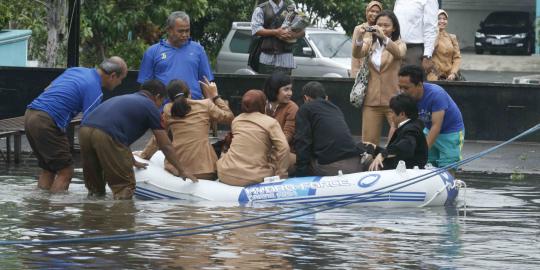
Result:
465,15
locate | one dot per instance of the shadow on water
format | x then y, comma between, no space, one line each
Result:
499,229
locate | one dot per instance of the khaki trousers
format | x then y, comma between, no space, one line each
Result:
106,161
373,118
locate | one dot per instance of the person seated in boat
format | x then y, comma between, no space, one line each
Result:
408,143
188,121
323,142
108,131
258,148
278,91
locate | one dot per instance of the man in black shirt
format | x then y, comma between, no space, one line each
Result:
323,141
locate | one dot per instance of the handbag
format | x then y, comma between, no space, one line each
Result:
254,53
358,91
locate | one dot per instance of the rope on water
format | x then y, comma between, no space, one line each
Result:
223,226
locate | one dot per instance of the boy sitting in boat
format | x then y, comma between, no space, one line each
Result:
408,143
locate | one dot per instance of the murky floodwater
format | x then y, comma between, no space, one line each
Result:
499,230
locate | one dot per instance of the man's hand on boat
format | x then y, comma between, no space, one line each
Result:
186,175
139,165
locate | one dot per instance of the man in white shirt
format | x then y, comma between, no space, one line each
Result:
418,23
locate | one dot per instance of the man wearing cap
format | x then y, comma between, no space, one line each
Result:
46,119
177,57
418,23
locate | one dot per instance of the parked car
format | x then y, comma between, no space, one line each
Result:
321,53
505,31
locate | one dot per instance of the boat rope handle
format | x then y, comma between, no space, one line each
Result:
166,233
435,195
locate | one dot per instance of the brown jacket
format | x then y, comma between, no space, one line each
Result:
382,85
190,135
446,57
257,138
285,114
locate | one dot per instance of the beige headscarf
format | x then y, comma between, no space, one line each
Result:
371,4
441,11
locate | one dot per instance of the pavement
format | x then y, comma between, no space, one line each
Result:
516,161
500,63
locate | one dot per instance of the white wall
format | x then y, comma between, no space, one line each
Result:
465,15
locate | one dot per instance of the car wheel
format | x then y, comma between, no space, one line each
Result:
478,51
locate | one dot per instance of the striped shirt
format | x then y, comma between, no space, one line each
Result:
285,60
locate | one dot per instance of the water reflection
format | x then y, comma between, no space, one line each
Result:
500,230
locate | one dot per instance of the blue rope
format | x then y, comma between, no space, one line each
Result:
222,226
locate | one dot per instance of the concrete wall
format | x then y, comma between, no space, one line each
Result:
466,15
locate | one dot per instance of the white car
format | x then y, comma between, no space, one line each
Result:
321,53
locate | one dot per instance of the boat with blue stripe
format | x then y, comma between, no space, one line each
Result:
367,188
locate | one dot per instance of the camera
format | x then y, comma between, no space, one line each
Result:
370,29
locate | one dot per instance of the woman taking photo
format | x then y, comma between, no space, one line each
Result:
446,56
384,55
188,121
372,10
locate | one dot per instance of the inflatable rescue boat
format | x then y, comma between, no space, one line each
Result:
371,188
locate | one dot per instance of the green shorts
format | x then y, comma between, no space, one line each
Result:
447,148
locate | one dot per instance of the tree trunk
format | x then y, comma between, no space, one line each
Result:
56,30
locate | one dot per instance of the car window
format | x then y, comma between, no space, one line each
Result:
240,41
332,44
298,48
507,19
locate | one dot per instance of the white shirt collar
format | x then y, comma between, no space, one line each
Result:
403,122
276,6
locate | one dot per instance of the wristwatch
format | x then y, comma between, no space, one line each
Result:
426,57
215,98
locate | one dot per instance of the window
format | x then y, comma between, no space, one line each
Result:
333,44
240,41
298,46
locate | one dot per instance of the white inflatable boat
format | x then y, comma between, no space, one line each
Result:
439,190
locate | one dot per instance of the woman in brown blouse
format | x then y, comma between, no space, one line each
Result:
446,56
188,121
372,10
258,149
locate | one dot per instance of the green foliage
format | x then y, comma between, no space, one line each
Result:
127,27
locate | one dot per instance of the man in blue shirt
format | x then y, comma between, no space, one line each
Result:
49,115
177,57
445,130
107,133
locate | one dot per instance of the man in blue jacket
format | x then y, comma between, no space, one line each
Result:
49,115
177,57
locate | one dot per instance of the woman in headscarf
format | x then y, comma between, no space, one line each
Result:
188,121
372,10
446,56
258,149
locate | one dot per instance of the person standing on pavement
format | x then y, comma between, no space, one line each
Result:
107,133
384,55
444,130
447,56
267,22
46,119
372,10
418,21
177,57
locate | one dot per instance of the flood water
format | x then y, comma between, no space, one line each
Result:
500,229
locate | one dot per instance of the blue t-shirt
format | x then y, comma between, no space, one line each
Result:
125,118
436,99
188,63
76,90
